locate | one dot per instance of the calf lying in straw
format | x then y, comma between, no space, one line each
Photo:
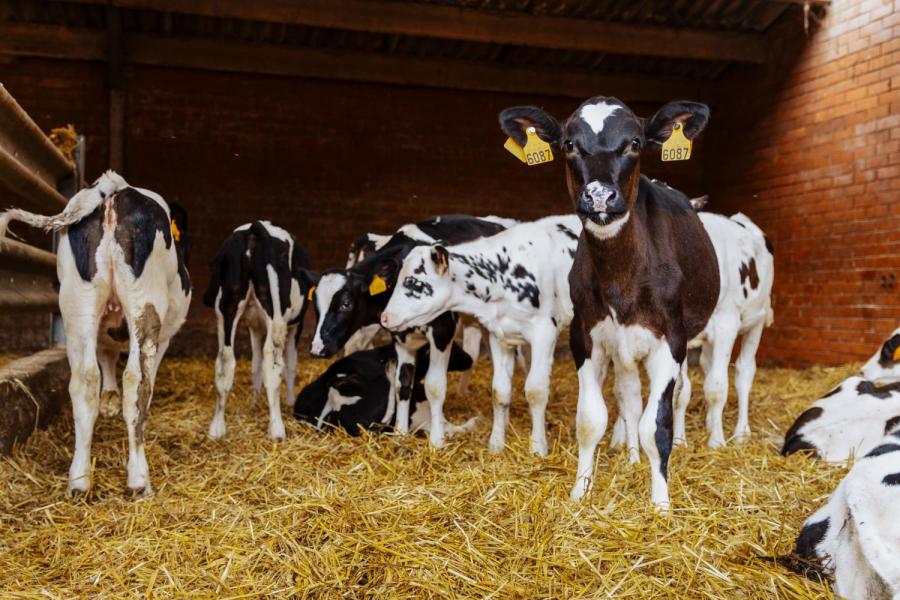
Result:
855,537
355,392
851,419
124,286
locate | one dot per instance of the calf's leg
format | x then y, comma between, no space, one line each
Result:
110,398
406,374
472,346
591,417
290,365
503,358
715,387
228,314
745,371
656,425
84,389
273,367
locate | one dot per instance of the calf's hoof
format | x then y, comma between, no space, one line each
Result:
496,445
539,448
276,432
580,489
110,403
742,437
216,429
139,492
76,491
715,443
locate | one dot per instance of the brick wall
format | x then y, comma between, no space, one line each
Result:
809,147
327,160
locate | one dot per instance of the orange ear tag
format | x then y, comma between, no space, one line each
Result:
677,147
535,152
377,286
897,354
176,233
310,293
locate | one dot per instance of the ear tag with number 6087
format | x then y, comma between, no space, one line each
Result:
535,152
677,147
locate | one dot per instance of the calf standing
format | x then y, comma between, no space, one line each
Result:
851,419
355,391
346,300
123,285
645,278
257,273
515,284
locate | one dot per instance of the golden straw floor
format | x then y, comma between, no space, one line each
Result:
327,515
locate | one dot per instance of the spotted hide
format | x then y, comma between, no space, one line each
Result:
354,392
123,286
851,419
515,284
347,300
256,275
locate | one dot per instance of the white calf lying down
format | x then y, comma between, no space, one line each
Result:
354,393
123,286
256,275
851,419
855,537
516,284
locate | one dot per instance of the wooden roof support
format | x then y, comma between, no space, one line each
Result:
270,59
429,20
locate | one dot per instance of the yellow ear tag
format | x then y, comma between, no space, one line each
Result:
535,152
377,286
310,293
176,233
897,354
677,147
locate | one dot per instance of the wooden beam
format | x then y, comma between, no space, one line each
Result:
270,59
23,187
454,23
17,256
22,138
115,58
12,298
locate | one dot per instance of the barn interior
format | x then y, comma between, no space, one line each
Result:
338,118
333,118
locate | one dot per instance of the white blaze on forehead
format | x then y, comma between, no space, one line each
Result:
595,114
329,285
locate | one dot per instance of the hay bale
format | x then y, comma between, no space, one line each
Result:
330,516
32,389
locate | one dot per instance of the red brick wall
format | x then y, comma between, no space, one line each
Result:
327,160
809,147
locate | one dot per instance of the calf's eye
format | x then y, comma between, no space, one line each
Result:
569,145
636,145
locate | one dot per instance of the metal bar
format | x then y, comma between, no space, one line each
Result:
23,258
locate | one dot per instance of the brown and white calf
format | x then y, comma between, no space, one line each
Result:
123,286
256,275
645,278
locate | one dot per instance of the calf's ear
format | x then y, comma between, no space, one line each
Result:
515,120
441,259
692,116
309,278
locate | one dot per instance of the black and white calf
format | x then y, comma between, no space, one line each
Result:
354,392
516,284
256,275
645,279
744,308
123,286
851,419
855,537
346,300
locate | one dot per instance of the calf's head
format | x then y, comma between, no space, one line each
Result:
344,302
602,143
884,367
423,289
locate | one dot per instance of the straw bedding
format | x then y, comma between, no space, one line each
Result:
330,516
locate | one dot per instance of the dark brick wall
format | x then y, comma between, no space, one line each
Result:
326,160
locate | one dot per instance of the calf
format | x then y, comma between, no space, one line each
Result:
256,274
515,284
851,419
354,392
645,278
855,537
345,300
744,308
123,286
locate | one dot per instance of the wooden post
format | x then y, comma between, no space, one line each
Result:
116,74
